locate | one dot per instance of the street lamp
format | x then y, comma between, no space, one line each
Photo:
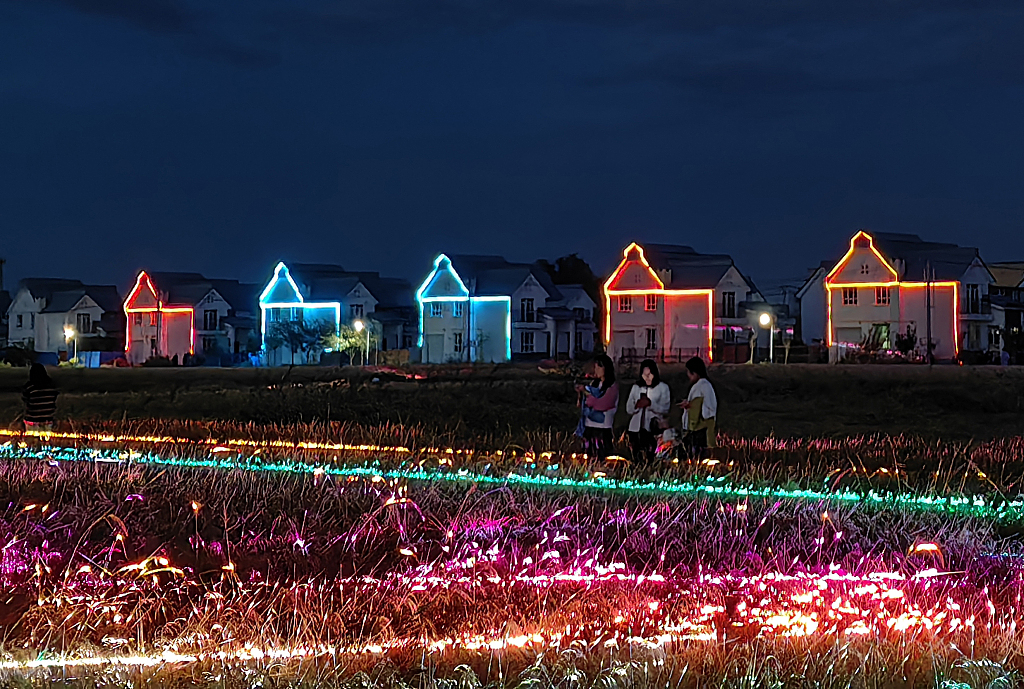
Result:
766,321
69,337
360,326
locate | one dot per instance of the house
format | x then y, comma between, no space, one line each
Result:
59,316
174,314
1006,296
5,302
670,303
487,309
884,287
334,296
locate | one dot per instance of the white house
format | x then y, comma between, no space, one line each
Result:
335,296
669,303
883,287
176,314
59,316
484,308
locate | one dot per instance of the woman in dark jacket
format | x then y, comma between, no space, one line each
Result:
40,396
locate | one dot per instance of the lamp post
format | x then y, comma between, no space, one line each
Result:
69,337
360,327
767,321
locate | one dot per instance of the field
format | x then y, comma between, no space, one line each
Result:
243,528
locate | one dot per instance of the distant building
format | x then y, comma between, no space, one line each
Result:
47,313
881,289
174,314
5,302
486,309
1006,296
670,303
335,296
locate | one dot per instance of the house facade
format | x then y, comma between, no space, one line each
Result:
62,317
890,287
179,314
333,296
670,303
486,309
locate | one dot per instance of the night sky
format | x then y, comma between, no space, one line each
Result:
220,137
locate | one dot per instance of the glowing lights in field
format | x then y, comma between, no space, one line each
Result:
270,298
633,255
831,284
460,294
988,507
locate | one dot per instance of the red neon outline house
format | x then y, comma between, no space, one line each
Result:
144,298
896,283
612,287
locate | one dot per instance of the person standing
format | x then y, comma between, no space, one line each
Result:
700,409
40,397
647,406
600,400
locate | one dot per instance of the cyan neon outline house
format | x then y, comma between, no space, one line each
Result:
282,293
457,324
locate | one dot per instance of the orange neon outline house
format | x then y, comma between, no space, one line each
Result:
611,288
831,284
143,281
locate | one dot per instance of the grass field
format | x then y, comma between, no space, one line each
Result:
519,403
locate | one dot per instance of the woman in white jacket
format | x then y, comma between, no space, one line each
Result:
648,405
699,421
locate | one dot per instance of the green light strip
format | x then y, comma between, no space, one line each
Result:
1007,511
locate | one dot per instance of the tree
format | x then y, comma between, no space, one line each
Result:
300,336
350,340
906,342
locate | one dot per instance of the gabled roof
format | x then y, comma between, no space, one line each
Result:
191,288
105,296
1008,273
320,282
43,288
688,269
948,261
493,276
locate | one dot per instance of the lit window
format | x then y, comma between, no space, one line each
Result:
457,339
881,296
651,302
625,304
436,309
457,311
652,339
526,342
849,296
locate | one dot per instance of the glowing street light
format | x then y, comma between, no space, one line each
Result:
767,321
69,337
360,326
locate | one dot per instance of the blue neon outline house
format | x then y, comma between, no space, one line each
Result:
459,323
282,293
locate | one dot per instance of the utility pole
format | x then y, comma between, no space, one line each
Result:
928,308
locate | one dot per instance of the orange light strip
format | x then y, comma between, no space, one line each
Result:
660,291
159,308
853,245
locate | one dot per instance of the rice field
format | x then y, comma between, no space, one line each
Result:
222,554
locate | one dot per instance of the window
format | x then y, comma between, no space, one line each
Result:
436,309
865,269
457,340
21,321
579,314
457,309
728,304
578,344
32,320
973,299
881,296
152,318
406,341
650,302
356,310
625,304
993,337
298,314
526,312
83,321
137,319
209,320
652,339
849,296
526,342
209,343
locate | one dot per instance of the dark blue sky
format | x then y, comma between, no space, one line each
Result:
222,136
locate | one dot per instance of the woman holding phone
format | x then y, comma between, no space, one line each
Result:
647,406
599,400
